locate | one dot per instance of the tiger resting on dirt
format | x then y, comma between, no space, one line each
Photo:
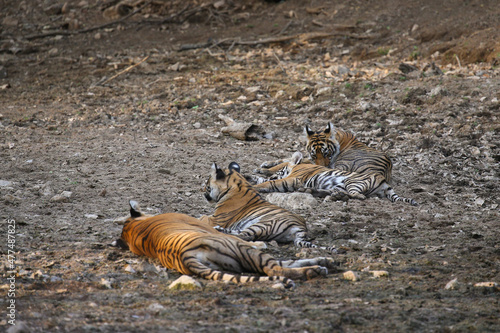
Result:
186,244
338,149
294,175
241,211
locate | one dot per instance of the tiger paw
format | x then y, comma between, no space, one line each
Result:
315,271
328,263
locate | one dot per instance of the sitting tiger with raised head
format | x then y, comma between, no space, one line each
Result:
241,211
338,149
186,244
294,175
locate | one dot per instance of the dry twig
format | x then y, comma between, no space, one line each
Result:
128,69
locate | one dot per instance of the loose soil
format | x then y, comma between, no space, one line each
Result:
152,133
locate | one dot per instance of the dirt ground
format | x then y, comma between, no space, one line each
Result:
76,143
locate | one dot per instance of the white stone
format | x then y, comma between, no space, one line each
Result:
351,276
5,183
452,285
185,282
378,274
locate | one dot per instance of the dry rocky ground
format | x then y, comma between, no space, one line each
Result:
78,142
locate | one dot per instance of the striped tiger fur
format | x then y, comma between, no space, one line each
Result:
341,150
241,211
186,244
325,181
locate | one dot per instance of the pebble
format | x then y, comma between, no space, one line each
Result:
185,282
129,269
106,283
155,307
5,183
378,274
351,276
452,285
64,196
91,216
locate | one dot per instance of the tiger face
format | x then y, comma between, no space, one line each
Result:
322,147
216,185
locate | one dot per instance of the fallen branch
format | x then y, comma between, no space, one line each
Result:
299,38
128,69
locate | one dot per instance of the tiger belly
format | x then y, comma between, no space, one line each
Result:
325,181
244,223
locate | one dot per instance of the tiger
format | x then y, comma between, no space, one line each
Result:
241,211
325,181
191,247
341,151
344,152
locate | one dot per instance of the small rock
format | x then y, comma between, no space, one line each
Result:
97,36
129,269
155,307
479,202
106,283
185,282
197,125
475,151
378,274
5,183
62,197
351,276
146,267
438,91
53,52
92,216
452,285
323,91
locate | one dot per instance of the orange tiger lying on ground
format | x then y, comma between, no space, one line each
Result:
184,243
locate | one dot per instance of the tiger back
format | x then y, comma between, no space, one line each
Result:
183,243
341,150
240,210
295,175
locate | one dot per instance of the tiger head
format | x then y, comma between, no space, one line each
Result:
219,182
322,147
135,214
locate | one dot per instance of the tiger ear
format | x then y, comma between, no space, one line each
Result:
135,210
234,166
330,128
296,158
217,173
308,131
